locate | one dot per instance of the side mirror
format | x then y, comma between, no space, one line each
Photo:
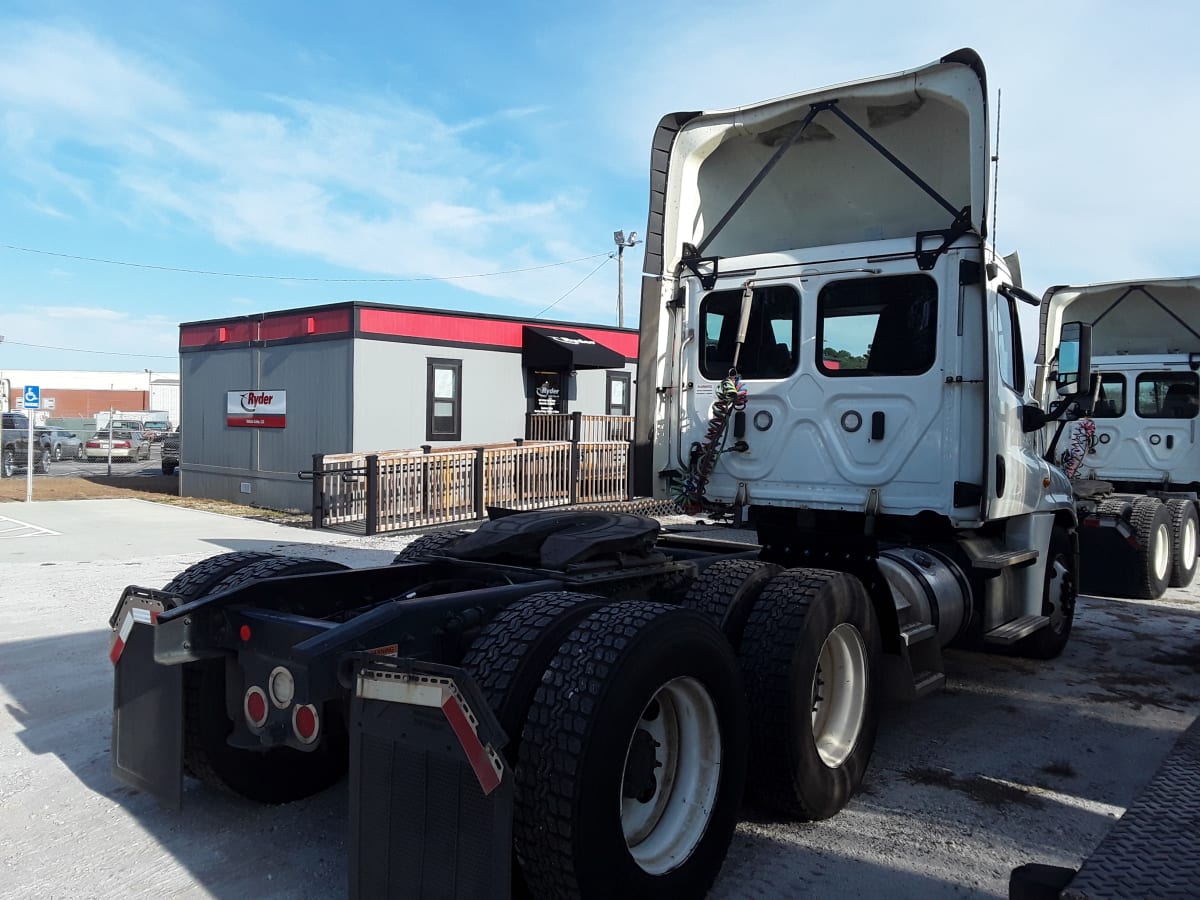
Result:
1074,374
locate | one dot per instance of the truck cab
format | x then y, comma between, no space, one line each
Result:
1138,445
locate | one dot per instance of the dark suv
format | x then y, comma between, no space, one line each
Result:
14,445
170,451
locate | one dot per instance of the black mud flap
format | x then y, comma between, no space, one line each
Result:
1108,559
431,798
147,738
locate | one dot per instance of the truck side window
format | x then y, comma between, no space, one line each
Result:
1110,403
877,326
1167,395
1009,355
772,334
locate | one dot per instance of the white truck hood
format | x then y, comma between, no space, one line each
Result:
830,185
1156,315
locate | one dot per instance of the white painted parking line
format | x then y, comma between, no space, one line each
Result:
14,528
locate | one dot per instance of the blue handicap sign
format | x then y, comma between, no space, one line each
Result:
33,397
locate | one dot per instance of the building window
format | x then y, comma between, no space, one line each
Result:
617,392
877,326
443,400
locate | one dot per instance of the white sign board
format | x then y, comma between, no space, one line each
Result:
256,409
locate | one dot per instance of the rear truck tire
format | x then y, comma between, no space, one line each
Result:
8,463
643,704
1152,525
509,656
168,468
810,657
41,461
1122,509
1184,528
431,544
58,452
725,592
271,775
1058,598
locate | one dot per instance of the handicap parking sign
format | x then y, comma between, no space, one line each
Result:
33,396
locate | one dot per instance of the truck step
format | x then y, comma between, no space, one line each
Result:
917,632
1011,632
994,562
925,683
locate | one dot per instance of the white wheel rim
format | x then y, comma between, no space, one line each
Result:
839,694
667,818
1054,593
1162,551
1188,543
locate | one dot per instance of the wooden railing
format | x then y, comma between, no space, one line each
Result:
399,489
577,427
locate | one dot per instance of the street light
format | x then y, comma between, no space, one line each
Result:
622,242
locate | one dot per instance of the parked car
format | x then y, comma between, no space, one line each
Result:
128,445
14,445
170,451
63,444
155,429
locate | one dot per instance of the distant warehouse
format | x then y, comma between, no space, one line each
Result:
261,394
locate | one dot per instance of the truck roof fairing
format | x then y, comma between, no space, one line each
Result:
876,159
1149,315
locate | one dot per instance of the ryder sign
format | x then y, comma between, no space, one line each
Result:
256,409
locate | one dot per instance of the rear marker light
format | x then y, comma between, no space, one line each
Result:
244,632
282,687
306,723
255,707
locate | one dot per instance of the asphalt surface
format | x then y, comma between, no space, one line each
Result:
1015,761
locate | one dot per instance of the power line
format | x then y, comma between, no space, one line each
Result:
577,284
8,342
135,265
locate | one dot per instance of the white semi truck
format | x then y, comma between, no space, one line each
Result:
569,702
1137,451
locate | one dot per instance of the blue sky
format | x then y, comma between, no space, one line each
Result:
415,142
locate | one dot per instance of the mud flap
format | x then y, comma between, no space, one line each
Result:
1107,556
431,799
147,737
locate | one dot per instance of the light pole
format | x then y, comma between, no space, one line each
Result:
622,242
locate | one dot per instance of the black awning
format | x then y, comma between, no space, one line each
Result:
558,348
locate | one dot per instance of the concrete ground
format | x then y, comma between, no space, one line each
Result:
1015,761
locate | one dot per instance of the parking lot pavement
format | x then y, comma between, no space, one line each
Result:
1015,761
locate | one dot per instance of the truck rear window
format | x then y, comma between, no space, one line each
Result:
1167,395
877,326
772,334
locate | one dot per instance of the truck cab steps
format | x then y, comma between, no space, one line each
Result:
1011,632
994,562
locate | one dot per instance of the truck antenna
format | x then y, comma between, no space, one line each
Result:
995,173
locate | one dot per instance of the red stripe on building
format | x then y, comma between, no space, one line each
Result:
460,329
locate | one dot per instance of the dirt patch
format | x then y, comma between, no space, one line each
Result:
157,488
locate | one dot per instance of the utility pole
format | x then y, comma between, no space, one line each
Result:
622,242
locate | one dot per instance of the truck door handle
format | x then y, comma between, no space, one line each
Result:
999,475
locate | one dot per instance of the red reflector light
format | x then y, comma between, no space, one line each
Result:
244,632
255,707
306,723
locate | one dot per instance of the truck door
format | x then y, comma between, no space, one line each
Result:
1014,469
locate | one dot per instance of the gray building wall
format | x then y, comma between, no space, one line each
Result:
343,395
217,459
